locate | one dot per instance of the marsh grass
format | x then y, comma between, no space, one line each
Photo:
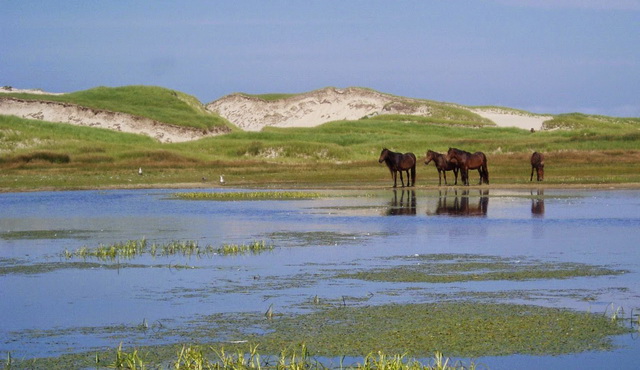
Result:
127,360
134,248
256,195
196,357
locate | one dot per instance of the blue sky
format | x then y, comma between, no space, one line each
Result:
545,56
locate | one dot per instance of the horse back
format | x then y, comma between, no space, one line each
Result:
537,159
408,160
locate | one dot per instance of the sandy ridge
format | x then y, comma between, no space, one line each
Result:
117,121
330,104
311,109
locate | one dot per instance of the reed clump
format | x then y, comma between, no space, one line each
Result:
256,195
134,248
197,357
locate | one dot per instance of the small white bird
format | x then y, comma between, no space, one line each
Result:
140,171
221,179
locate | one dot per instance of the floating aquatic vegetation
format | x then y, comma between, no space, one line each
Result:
446,268
314,238
44,234
133,248
466,329
257,195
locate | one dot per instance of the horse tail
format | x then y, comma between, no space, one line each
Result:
413,174
485,169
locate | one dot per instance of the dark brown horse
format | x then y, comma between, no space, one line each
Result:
442,165
467,161
537,163
398,162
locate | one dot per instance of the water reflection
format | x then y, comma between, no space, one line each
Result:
402,207
537,203
460,205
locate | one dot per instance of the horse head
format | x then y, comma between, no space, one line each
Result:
383,155
429,157
450,154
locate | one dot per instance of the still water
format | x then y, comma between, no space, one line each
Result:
51,306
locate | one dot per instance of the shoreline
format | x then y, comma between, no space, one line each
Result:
272,186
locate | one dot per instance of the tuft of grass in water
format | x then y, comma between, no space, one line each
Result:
125,360
195,357
258,195
134,248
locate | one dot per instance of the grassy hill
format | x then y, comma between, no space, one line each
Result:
157,103
581,149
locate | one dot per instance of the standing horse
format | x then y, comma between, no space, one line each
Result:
537,163
442,165
398,162
467,161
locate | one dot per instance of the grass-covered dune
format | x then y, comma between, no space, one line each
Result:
579,149
157,103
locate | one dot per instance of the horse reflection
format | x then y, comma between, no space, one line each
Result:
461,205
537,203
402,207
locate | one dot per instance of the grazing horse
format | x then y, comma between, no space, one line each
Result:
442,165
537,163
398,162
467,161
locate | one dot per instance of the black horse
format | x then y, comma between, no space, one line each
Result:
442,165
398,162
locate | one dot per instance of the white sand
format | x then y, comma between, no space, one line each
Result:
311,109
505,118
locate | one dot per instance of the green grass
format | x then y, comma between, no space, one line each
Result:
134,248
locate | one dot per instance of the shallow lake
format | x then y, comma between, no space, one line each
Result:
51,304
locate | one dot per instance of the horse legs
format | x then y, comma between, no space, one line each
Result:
413,175
485,169
455,173
465,176
531,178
444,173
401,179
